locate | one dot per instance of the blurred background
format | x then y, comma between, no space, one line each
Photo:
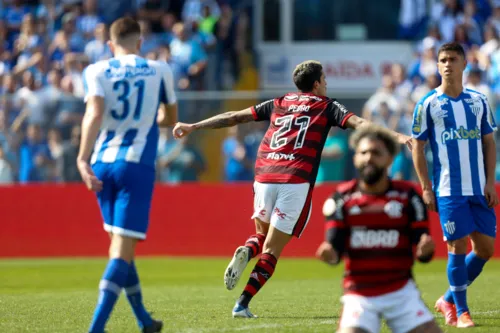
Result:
379,58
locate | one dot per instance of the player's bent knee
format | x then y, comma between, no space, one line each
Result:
458,246
122,247
261,227
429,327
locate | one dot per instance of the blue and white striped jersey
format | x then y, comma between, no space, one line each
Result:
454,128
132,88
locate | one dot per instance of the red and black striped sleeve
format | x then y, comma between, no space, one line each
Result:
335,227
263,110
417,216
337,113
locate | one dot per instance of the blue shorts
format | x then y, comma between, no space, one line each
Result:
461,215
125,199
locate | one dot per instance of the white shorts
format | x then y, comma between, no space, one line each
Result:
286,206
402,309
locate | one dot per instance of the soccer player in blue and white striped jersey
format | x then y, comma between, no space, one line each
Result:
459,126
127,98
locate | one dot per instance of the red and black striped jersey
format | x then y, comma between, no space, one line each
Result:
299,123
376,235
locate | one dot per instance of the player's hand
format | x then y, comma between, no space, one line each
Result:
181,130
405,140
88,176
425,246
429,199
327,254
491,195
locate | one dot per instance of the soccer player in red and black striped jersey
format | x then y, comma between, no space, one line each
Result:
285,170
378,226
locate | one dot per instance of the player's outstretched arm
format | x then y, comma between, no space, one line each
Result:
225,119
420,163
356,122
490,158
90,129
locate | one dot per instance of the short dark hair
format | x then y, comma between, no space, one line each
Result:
374,132
306,73
123,28
453,46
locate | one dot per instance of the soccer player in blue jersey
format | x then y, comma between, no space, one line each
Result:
127,98
459,126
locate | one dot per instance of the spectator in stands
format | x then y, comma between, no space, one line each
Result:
193,9
238,166
490,41
412,18
403,85
88,21
150,41
153,11
189,56
208,20
178,160
98,48
66,40
225,32
426,64
35,159
334,157
67,169
447,14
431,82
70,108
167,22
30,98
13,15
494,19
381,105
475,82
6,170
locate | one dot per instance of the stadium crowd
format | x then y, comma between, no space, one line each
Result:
48,43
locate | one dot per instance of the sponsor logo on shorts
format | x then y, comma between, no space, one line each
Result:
279,213
450,227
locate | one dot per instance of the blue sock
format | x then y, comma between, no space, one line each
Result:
134,296
474,267
110,288
457,276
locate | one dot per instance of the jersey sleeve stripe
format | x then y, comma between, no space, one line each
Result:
254,113
347,116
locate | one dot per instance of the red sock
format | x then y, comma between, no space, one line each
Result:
255,243
262,272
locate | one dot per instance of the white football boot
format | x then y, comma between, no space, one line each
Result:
236,267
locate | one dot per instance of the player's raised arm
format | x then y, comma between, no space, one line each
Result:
259,112
167,113
356,122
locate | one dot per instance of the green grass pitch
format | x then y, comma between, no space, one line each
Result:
58,295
